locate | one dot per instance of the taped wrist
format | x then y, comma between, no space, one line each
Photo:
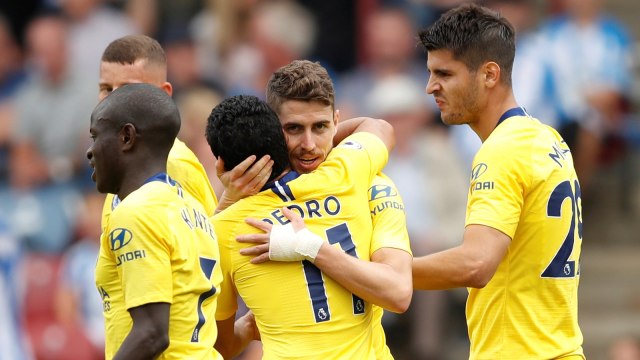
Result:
287,245
283,243
308,244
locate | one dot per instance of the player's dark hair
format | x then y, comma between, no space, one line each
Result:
151,111
475,35
244,125
126,50
300,80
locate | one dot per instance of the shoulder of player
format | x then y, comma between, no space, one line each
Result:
382,179
151,195
514,133
360,140
180,152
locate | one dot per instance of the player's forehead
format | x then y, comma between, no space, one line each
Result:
442,60
305,113
114,73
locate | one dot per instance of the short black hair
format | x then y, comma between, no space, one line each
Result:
475,35
150,109
243,125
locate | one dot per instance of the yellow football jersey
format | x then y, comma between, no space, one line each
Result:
184,167
302,314
389,231
523,183
159,246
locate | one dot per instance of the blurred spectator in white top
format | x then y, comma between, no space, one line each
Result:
49,135
589,56
52,109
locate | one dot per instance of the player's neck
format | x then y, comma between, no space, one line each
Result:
285,172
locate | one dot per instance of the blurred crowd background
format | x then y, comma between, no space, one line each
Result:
576,69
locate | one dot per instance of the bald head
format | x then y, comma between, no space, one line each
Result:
148,108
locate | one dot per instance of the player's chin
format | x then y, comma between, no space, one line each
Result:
103,188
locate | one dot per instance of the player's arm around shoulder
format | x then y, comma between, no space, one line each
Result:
378,127
375,281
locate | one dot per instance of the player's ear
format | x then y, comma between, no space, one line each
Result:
127,136
491,72
336,121
167,87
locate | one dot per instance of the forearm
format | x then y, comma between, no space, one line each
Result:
378,283
378,127
443,270
140,346
346,128
233,337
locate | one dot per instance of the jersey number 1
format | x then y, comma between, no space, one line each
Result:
336,235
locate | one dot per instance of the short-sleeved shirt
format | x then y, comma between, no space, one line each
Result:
523,183
184,167
300,312
389,231
159,247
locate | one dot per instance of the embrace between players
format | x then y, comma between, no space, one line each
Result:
293,234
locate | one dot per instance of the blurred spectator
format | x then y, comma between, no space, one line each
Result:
589,57
337,22
92,26
11,77
19,13
13,342
277,33
424,12
531,81
390,47
624,348
78,303
184,70
175,15
195,105
51,128
215,30
11,71
48,140
435,209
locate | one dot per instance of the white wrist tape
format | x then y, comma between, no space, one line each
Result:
282,244
287,245
308,244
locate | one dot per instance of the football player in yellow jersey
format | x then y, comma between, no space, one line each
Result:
141,59
300,313
158,269
520,252
302,95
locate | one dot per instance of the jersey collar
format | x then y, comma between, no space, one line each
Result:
516,111
291,175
